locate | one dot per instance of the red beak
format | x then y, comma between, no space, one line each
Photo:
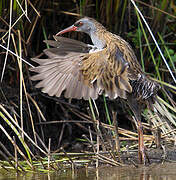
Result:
71,28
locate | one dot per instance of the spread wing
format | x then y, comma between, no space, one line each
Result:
70,69
60,72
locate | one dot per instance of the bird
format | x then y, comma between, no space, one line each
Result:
108,66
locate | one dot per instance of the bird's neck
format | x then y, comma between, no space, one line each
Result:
97,39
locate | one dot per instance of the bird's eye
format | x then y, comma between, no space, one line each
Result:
78,24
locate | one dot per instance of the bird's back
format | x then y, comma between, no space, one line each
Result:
142,87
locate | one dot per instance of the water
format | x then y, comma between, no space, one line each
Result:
165,171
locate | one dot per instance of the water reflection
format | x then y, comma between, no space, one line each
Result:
153,172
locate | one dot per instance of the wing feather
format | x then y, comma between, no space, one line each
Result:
57,75
80,74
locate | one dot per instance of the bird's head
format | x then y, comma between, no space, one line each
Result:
86,25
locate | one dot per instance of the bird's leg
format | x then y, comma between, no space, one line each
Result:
135,107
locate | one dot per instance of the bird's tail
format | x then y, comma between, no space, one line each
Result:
144,88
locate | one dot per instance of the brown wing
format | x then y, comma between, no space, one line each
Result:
61,71
82,75
108,71
58,74
143,88
64,46
128,54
